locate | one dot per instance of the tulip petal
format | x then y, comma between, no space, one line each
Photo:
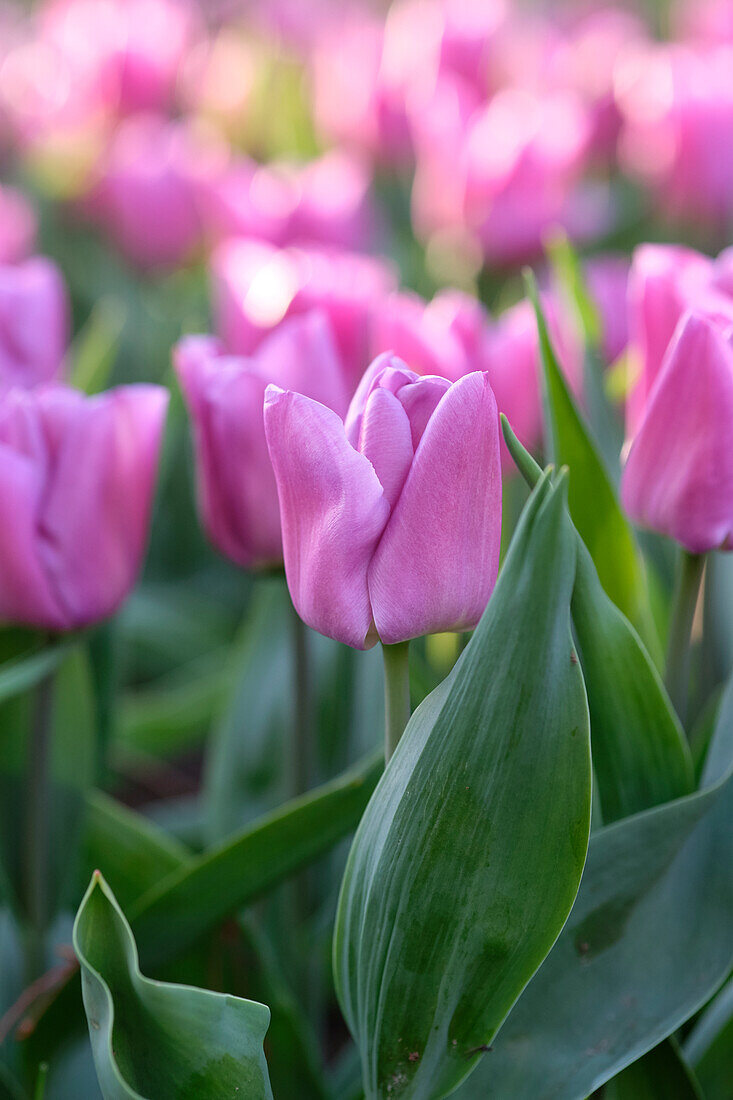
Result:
235,483
301,354
386,370
436,564
420,399
386,440
93,521
25,595
678,478
333,512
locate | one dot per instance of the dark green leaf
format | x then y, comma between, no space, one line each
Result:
648,941
468,858
211,887
661,1074
594,506
709,1047
640,754
157,1041
64,676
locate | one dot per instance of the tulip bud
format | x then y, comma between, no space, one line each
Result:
34,323
391,520
76,485
678,477
225,394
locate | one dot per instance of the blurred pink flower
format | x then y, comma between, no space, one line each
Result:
607,277
326,201
391,520
677,104
678,478
17,226
435,337
148,196
225,394
76,485
512,360
255,286
130,51
34,323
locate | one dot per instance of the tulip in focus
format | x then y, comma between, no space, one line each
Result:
34,323
225,394
678,477
255,286
391,519
76,485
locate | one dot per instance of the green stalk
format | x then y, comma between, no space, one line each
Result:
301,748
687,590
396,694
36,826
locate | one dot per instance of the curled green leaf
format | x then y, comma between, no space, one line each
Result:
155,1041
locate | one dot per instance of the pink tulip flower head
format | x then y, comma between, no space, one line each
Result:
433,337
391,519
255,286
76,485
34,323
665,281
678,478
148,197
225,394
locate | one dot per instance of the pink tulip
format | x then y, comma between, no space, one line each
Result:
431,337
129,50
391,520
76,486
512,359
225,395
34,323
148,197
678,477
666,280
607,277
255,286
523,159
326,202
677,103
17,226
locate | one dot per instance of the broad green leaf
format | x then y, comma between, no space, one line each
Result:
206,890
594,506
709,1047
63,677
151,1040
468,858
649,940
661,1074
640,754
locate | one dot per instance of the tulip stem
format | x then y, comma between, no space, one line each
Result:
36,826
300,749
687,590
396,694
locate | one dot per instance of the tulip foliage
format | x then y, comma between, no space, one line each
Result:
366,596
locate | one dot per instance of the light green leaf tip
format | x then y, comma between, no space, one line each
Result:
156,1041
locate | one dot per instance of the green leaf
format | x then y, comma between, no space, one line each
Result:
648,941
594,506
468,858
95,348
640,754
151,1040
661,1074
709,1047
26,671
211,887
71,766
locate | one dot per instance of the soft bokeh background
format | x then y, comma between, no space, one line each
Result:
450,141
